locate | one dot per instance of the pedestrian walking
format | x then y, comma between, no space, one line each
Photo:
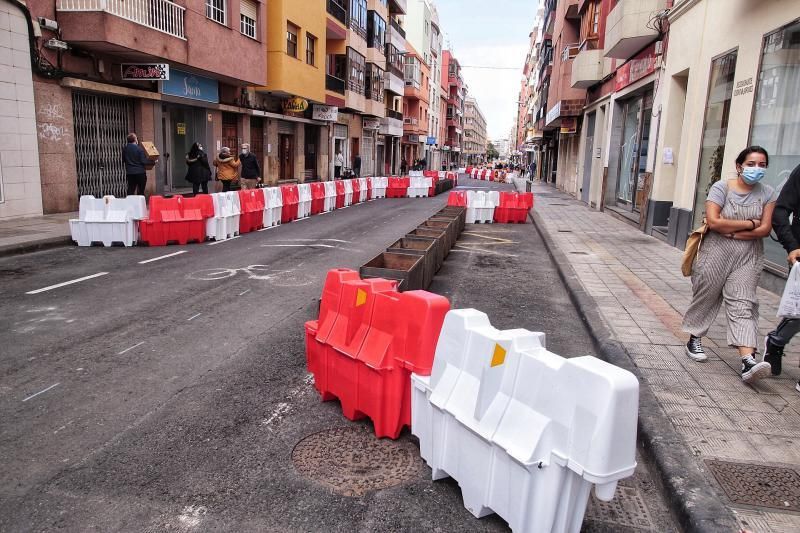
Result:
357,166
135,159
403,166
788,232
532,170
250,171
730,261
198,172
227,168
338,162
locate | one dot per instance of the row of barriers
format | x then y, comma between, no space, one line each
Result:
505,207
525,433
219,216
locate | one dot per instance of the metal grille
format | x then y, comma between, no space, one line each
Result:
286,128
367,155
101,125
340,131
230,132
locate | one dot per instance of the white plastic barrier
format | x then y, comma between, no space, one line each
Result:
480,206
108,220
525,432
348,192
416,173
418,188
379,185
273,200
304,205
362,185
227,211
330,196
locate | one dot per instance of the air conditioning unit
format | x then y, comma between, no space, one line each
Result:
56,44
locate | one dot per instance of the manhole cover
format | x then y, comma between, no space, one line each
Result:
626,509
352,461
759,485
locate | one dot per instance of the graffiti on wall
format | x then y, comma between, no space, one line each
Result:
50,123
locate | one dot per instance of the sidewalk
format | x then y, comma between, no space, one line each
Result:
743,438
27,234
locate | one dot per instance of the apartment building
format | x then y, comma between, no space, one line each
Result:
415,107
455,110
474,132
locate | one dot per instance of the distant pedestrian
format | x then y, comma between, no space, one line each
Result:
227,168
422,164
788,232
357,166
532,170
250,171
135,159
198,172
730,261
338,162
403,166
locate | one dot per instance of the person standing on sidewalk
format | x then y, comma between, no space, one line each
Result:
198,172
227,168
730,261
135,159
788,233
337,165
250,172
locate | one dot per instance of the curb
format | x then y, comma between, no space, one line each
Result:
690,496
35,246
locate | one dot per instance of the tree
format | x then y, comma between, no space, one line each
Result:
491,152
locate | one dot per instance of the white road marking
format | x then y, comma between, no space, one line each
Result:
41,392
131,348
226,240
475,250
243,293
162,257
315,240
265,229
64,284
298,246
193,317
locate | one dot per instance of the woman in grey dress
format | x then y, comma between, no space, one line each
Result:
729,264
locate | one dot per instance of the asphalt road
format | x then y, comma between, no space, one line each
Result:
169,395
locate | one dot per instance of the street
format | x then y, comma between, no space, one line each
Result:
170,394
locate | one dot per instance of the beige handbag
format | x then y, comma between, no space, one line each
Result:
693,248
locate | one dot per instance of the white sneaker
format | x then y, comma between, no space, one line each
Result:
694,349
753,371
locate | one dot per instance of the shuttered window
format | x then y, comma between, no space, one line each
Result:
248,18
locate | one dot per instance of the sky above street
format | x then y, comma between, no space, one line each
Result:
490,34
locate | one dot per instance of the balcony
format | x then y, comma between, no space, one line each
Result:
398,7
414,92
395,24
393,83
587,68
160,15
332,83
337,11
392,124
397,115
627,27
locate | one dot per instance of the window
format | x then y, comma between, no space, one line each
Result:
776,115
215,10
311,48
374,83
394,60
291,39
376,31
358,17
590,21
356,66
247,18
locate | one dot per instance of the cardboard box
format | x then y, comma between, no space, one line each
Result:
152,151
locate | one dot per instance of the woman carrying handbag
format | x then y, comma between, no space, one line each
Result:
730,261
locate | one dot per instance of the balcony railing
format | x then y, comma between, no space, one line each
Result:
332,83
159,15
338,11
391,113
396,25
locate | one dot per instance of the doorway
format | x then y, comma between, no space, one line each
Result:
354,150
311,151
587,157
184,126
286,156
637,115
257,140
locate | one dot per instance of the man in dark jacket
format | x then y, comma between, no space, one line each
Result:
250,171
135,159
789,236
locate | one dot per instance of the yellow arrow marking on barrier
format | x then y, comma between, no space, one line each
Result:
499,356
361,297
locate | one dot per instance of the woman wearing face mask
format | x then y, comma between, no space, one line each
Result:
730,260
198,172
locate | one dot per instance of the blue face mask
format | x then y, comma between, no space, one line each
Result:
752,175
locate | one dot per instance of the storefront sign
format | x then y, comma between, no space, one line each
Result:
554,113
370,123
634,70
743,87
569,125
529,147
326,113
295,105
191,86
181,127
145,71
430,141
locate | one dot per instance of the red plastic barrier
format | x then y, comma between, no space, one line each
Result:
317,197
432,188
252,214
430,174
369,188
176,219
291,199
356,191
339,194
367,341
513,207
457,198
398,187
468,170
